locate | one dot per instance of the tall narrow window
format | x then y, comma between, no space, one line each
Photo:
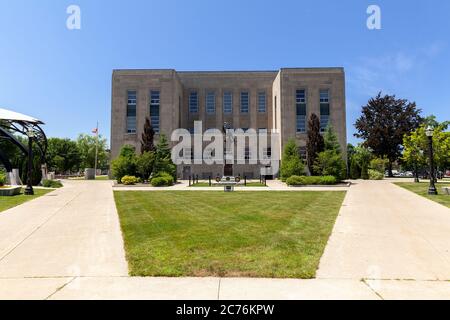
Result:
154,110
324,109
193,102
210,102
131,112
227,102
245,102
300,100
261,102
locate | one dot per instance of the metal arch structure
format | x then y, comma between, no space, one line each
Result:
11,124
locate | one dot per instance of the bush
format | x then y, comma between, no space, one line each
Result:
52,184
330,163
375,175
162,179
378,165
123,166
144,164
364,171
328,180
291,164
129,180
312,180
2,179
355,169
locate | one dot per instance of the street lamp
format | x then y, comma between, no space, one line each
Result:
29,189
432,188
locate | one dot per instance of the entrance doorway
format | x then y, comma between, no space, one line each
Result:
228,170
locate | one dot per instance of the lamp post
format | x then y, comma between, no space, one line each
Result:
432,188
29,189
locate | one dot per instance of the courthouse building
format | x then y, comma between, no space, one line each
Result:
282,100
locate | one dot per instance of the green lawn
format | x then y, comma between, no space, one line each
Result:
9,202
251,234
422,189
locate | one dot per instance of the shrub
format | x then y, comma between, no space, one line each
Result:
355,169
2,179
162,179
129,180
330,163
52,184
296,181
144,164
364,171
312,180
378,165
328,180
291,164
375,175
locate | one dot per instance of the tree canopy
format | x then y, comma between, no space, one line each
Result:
383,124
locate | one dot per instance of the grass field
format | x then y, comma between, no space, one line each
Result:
253,234
10,202
422,189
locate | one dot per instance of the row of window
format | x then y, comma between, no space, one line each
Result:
227,99
300,98
301,103
154,111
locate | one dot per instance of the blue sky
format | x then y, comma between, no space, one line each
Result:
64,76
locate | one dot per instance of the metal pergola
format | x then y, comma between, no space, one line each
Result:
12,124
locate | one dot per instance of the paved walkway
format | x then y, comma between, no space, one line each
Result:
387,243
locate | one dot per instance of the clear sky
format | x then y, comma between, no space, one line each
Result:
64,76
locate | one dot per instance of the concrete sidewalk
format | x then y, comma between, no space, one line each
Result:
388,243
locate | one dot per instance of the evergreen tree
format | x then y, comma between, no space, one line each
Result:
315,142
291,164
163,158
147,144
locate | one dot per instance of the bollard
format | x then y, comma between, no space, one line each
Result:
189,181
210,181
245,180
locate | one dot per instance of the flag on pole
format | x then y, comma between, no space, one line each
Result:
95,130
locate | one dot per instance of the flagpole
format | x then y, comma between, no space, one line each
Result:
96,153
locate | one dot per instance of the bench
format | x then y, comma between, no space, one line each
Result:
446,190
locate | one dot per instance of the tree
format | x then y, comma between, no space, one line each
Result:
63,155
291,164
144,164
330,162
384,122
163,158
147,144
415,153
125,163
355,169
314,143
86,146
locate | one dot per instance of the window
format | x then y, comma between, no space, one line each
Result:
262,102
131,112
193,102
245,102
300,99
154,110
227,102
267,153
210,102
324,109
247,153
